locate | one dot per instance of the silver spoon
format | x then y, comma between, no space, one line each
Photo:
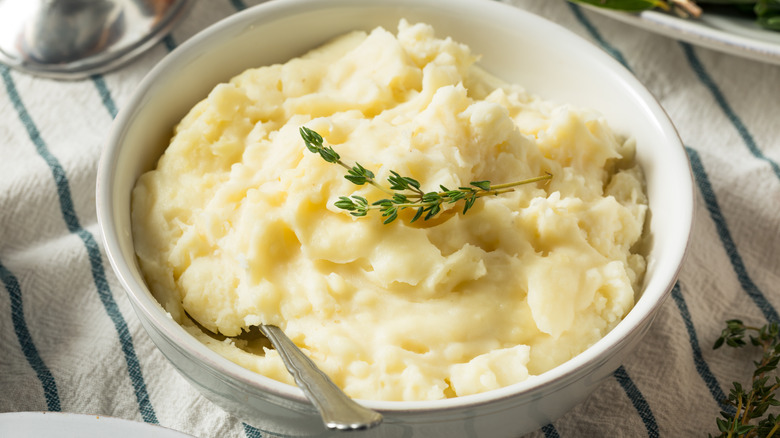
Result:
338,411
74,39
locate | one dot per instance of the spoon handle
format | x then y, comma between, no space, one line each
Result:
338,411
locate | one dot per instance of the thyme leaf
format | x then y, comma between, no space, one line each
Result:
751,404
403,192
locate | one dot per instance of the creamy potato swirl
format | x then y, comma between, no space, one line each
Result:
236,225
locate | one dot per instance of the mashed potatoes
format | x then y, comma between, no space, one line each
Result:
237,226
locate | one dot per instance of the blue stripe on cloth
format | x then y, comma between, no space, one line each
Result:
701,366
26,342
93,250
550,431
596,35
125,338
169,42
730,247
238,5
102,88
638,400
63,191
735,120
251,432
105,95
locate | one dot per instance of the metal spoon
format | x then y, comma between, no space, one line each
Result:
338,411
74,39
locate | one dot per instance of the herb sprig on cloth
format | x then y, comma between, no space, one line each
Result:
404,192
752,404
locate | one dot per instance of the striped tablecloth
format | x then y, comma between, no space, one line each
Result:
70,342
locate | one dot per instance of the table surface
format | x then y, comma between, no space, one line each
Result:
70,342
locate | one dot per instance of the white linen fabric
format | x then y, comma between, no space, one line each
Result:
70,341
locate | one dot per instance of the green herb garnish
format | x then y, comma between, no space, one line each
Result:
765,12
751,405
404,192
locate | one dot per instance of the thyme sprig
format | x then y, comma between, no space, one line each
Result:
405,192
747,420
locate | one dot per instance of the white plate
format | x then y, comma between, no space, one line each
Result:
735,35
62,425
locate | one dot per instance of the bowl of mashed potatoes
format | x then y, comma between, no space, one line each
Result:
486,313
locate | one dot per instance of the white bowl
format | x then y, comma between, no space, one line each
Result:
515,45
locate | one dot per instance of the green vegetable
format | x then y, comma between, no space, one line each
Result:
405,192
765,12
751,405
768,13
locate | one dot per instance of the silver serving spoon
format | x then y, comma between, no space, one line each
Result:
338,411
74,39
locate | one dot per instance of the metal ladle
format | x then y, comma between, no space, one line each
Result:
74,39
338,410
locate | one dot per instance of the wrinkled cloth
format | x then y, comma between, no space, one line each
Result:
70,341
